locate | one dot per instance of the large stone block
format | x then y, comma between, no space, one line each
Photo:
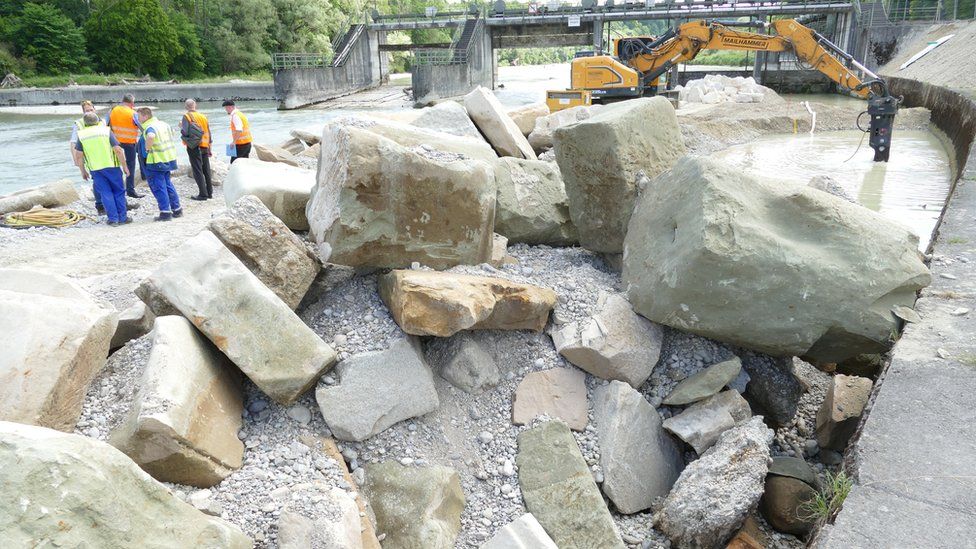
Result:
270,153
182,426
448,117
410,136
640,461
378,389
380,204
415,507
532,204
607,158
268,248
73,491
284,189
55,339
715,493
60,193
768,265
442,304
615,343
541,135
499,128
559,490
243,318
525,117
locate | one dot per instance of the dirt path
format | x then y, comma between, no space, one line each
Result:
93,249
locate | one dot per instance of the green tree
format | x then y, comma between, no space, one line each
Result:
306,25
237,35
132,36
189,62
47,36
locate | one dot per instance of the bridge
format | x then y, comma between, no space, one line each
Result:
450,69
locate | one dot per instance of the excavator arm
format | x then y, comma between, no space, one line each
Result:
653,57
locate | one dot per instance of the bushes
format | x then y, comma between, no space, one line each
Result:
132,36
45,35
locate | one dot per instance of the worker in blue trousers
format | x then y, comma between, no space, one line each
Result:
79,124
157,146
103,160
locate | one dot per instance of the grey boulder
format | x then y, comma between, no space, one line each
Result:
705,383
715,493
377,390
815,276
59,193
447,117
268,248
532,204
607,158
640,461
615,343
462,360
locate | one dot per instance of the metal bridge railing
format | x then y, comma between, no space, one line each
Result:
451,56
299,60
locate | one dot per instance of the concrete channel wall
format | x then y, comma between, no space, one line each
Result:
434,82
145,93
914,462
296,88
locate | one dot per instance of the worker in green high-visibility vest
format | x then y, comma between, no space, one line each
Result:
103,160
159,150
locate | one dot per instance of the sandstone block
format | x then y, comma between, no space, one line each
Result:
243,318
841,410
100,498
532,204
524,532
606,158
60,193
416,507
448,117
377,390
380,204
284,189
615,343
442,304
336,528
559,490
715,493
55,340
525,117
495,124
640,461
541,137
558,393
270,153
839,268
411,136
183,424
268,248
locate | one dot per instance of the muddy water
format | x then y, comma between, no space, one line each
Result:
911,188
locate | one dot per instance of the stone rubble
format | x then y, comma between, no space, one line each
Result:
118,289
718,88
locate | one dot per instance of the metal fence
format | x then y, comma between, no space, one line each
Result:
299,61
452,55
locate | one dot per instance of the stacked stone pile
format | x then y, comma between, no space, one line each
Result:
482,395
717,88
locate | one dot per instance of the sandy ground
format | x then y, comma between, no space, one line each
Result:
957,53
96,248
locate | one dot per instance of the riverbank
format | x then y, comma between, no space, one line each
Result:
145,93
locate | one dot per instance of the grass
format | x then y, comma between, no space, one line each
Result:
828,501
91,79
957,240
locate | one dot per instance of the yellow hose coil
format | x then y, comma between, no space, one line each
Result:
42,217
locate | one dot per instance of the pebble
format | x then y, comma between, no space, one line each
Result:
300,413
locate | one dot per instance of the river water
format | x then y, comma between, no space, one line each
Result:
910,188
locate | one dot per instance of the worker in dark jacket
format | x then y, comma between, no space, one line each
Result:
195,132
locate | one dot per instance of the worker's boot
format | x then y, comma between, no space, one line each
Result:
100,209
164,216
134,194
178,213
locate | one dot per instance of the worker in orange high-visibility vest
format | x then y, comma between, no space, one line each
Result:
240,131
195,133
125,126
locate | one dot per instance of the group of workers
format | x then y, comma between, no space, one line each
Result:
106,152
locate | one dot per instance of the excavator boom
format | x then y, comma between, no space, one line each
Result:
639,63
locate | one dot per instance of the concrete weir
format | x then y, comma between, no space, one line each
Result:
145,93
915,478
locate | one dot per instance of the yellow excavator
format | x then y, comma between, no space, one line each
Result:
639,63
